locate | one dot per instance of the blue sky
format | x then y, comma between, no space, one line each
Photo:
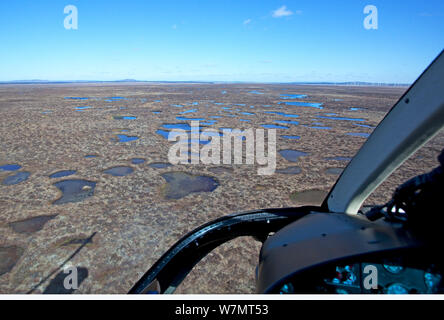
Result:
215,40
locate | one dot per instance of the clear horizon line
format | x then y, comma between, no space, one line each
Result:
42,81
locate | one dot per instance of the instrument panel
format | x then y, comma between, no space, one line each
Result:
386,277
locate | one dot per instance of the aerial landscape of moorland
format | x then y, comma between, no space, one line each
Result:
85,178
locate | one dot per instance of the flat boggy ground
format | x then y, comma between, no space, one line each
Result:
125,223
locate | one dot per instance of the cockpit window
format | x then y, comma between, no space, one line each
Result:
125,125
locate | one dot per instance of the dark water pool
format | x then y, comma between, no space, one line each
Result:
16,178
125,118
125,138
303,104
358,134
189,119
119,171
181,184
289,170
10,167
160,165
31,225
63,173
137,160
255,92
188,111
293,96
75,190
292,155
83,108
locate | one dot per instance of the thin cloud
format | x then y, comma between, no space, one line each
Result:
428,14
282,12
248,21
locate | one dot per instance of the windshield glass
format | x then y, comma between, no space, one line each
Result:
126,124
422,161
